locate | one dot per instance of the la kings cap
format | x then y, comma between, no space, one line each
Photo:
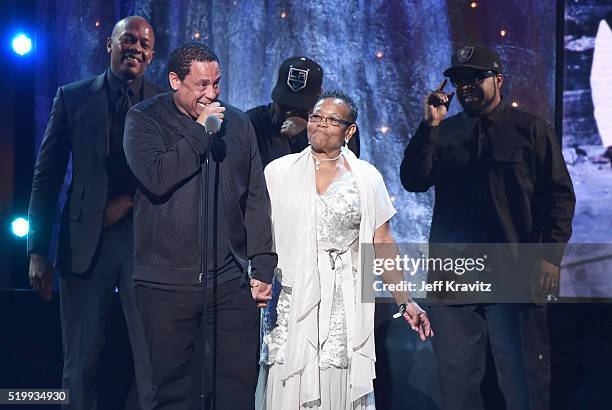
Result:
299,83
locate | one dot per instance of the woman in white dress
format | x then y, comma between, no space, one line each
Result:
330,214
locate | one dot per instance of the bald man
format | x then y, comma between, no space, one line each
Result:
94,252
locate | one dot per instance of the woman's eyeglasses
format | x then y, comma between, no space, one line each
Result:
334,122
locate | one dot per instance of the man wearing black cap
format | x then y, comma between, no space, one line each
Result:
281,125
499,177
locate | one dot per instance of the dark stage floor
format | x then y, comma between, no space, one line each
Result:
30,357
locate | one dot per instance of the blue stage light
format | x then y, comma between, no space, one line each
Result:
20,227
22,44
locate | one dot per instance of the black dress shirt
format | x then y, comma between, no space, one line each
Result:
499,178
121,179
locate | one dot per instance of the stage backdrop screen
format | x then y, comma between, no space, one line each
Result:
587,141
385,54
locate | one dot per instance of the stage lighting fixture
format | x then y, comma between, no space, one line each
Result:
20,227
22,44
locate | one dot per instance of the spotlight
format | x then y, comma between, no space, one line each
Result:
22,44
20,227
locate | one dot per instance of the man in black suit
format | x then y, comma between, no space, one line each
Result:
94,254
175,240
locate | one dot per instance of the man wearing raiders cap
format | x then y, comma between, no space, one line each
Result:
499,178
280,126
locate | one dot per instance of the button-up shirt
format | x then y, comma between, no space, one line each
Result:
498,178
121,179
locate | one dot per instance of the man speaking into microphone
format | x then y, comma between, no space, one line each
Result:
166,141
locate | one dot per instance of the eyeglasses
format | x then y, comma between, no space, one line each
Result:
334,122
475,79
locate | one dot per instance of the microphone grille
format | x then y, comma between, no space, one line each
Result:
212,124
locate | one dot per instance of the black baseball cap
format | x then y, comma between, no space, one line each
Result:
474,57
299,83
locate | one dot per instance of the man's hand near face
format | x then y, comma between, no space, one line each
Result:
436,105
211,109
293,126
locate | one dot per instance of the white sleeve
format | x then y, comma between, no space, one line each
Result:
268,174
384,207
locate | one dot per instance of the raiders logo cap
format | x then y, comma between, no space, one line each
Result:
474,57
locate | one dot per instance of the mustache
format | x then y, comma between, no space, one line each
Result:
471,93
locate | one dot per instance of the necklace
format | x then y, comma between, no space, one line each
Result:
317,161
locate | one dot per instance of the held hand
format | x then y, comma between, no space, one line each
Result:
544,280
418,321
261,291
211,109
116,209
41,275
436,105
293,126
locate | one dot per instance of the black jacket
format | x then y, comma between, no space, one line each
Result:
164,148
78,125
498,179
272,145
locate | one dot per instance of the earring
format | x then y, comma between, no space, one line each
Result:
346,142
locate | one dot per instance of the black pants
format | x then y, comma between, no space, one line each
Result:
85,302
172,322
518,337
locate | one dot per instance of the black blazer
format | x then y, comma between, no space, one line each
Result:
78,125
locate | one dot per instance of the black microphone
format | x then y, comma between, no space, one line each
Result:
212,125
